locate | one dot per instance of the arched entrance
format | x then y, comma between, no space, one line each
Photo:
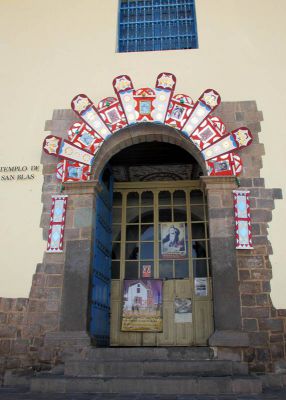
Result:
156,192
146,133
119,123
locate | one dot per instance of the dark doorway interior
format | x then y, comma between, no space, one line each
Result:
151,161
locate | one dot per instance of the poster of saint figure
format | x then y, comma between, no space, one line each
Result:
173,240
142,305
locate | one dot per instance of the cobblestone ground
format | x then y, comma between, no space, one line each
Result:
23,394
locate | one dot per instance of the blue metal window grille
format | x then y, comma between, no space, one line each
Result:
152,25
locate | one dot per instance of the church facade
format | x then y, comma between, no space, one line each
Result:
156,219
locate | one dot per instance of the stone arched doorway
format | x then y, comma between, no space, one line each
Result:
156,189
118,123
60,312
79,254
145,133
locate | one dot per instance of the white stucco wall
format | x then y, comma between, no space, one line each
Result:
51,51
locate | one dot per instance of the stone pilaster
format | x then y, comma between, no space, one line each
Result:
78,248
72,335
227,312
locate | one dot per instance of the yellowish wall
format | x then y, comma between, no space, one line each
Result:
52,50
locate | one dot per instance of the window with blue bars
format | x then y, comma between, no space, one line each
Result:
152,25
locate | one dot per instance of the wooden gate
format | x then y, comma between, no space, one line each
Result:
145,216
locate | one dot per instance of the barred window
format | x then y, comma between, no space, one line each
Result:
152,25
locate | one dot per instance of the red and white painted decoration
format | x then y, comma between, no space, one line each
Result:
66,150
112,114
180,109
242,219
57,224
192,120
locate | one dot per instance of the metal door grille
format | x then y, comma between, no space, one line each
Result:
151,25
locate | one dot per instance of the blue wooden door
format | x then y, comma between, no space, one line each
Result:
101,266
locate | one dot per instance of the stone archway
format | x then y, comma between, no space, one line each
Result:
144,132
79,253
146,141
122,123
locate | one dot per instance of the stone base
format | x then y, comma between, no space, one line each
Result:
60,346
229,339
68,338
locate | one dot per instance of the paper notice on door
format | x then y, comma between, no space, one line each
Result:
183,310
146,271
201,287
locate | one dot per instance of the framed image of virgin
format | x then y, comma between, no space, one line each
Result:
173,240
142,305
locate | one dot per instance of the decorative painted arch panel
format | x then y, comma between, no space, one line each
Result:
193,119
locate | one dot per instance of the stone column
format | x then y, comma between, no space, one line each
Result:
74,311
78,249
227,314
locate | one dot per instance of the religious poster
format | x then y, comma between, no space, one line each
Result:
173,240
142,305
183,310
201,287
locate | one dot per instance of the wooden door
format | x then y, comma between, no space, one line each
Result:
101,264
145,216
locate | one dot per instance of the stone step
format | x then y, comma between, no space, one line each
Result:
170,385
149,353
154,368
20,378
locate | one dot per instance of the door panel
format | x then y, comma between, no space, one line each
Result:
101,267
203,319
167,337
149,339
141,211
183,331
116,336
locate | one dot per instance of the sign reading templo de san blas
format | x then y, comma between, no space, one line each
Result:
14,173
